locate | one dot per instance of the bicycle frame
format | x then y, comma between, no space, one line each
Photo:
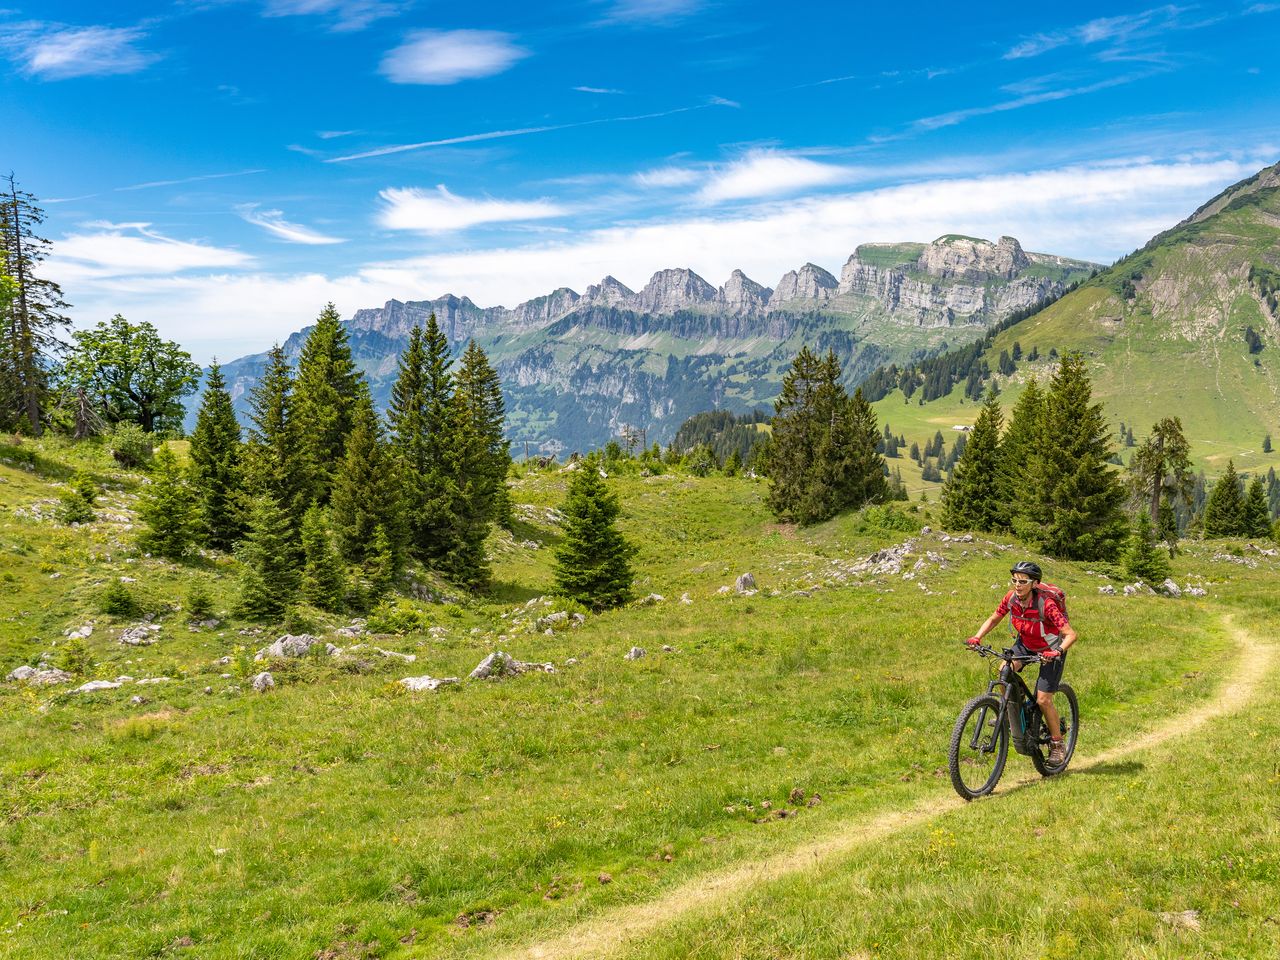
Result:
1024,724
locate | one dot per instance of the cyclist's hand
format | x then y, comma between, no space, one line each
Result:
973,641
1051,655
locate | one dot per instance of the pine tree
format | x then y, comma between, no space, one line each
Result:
216,469
1020,459
272,451
478,401
1266,443
1160,470
1142,561
1255,513
407,416
1224,510
168,509
973,498
324,583
366,492
435,519
1080,496
32,316
593,562
269,577
327,390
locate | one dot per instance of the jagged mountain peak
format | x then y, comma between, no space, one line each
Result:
673,289
609,292
810,282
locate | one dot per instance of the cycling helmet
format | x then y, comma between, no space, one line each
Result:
1028,569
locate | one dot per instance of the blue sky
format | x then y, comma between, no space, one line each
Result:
222,168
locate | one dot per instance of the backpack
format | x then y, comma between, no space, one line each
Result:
1038,594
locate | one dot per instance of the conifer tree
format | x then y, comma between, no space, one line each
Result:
593,562
973,498
272,450
269,577
324,583
436,521
407,416
1224,510
168,509
1255,514
1020,461
480,412
366,492
216,470
1142,561
327,390
1160,469
1079,495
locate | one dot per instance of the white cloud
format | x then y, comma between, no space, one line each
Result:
652,11
597,90
347,15
54,52
443,57
662,177
425,211
273,222
132,249
765,173
1094,211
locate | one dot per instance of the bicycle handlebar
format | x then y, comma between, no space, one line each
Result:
985,651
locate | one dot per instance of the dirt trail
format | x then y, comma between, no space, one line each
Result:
603,935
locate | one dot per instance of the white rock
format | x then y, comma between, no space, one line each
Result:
684,598
635,653
22,673
650,600
1194,591
725,589
289,646
1108,589
140,635
417,684
153,680
263,681
498,664
1171,588
94,685
744,583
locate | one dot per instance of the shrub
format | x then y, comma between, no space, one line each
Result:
887,518
73,508
199,603
131,446
74,657
118,600
397,616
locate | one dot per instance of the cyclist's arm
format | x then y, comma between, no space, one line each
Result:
1068,636
989,624
1066,633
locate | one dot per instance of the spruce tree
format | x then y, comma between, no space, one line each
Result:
168,509
367,492
327,390
1160,469
973,498
1224,510
1255,514
1142,561
435,518
480,451
272,450
593,561
1078,494
324,583
407,417
216,470
269,577
1021,463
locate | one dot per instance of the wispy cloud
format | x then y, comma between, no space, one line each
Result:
502,134
597,90
1111,30
766,173
666,177
1027,100
51,51
439,58
346,15
651,11
334,134
273,222
134,249
723,102
196,179
440,211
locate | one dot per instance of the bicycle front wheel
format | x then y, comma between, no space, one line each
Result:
1069,717
979,748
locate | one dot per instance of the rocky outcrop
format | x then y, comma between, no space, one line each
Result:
672,290
607,293
810,282
741,294
972,260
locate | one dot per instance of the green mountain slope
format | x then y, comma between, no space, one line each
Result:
1165,333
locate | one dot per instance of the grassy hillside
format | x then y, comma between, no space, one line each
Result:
338,816
1164,331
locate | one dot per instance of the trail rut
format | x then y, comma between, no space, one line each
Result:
601,936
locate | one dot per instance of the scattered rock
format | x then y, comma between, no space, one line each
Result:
605,878
650,600
1171,588
1108,589
153,680
635,653
80,633
417,684
745,584
1184,919
667,648
40,678
140,635
138,701
684,598
925,531
571,661
725,589
263,681
95,685
498,665
293,646
1194,591
1231,558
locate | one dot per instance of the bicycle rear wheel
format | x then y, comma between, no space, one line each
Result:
1069,715
979,748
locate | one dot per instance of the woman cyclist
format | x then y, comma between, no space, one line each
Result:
1049,637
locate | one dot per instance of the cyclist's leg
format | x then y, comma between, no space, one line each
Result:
1046,686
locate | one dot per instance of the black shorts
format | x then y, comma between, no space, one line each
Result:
1050,672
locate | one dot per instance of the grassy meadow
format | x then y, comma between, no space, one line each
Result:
338,816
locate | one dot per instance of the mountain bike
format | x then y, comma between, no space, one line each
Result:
1007,712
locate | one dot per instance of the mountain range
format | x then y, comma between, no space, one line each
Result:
577,368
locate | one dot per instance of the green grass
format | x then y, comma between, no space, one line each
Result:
339,811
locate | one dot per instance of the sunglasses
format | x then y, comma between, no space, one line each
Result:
1020,583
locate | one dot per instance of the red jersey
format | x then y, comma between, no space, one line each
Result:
1026,620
